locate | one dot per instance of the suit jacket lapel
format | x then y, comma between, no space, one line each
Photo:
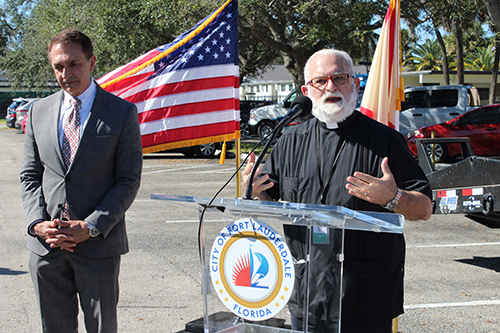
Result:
54,115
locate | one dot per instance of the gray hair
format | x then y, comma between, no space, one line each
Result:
334,53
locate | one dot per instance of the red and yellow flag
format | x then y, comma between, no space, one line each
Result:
384,89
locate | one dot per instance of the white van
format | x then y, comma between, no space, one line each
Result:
430,105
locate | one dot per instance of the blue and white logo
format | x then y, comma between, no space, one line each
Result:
252,269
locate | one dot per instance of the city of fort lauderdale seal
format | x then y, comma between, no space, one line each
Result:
252,269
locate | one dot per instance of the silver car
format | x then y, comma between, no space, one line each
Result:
22,111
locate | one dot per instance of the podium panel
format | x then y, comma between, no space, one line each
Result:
263,261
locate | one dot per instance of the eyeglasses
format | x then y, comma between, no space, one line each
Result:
337,79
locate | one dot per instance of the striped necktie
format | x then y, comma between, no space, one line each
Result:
71,139
71,136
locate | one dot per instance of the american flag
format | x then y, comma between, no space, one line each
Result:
384,89
186,92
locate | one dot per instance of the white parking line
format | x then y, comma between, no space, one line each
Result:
170,170
218,170
213,170
196,221
455,304
451,245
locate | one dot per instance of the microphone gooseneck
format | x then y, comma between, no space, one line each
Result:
301,106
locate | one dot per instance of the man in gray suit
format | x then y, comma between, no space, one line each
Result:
81,172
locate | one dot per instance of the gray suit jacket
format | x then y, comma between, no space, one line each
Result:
101,183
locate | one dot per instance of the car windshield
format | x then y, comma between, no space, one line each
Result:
489,115
26,106
13,105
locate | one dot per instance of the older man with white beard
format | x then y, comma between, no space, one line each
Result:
341,157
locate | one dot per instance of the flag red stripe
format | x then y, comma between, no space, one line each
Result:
186,109
127,83
182,87
131,66
366,112
188,133
392,37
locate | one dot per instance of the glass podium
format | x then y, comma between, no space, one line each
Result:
257,258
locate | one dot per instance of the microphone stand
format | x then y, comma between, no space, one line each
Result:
202,214
248,193
304,104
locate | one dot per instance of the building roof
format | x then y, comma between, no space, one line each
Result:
279,73
272,73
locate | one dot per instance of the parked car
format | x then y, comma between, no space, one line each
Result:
21,111
263,120
10,118
481,125
430,105
245,107
23,123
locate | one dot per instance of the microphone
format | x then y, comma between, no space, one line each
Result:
301,106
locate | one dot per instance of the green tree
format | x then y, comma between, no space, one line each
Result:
493,8
6,31
121,31
461,16
408,42
426,56
454,16
296,29
367,41
482,59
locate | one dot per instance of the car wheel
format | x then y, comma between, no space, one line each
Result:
264,129
244,129
440,152
206,150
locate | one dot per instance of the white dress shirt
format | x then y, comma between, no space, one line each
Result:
87,99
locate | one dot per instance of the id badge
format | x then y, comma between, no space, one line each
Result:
320,235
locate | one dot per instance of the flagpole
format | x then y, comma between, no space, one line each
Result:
238,161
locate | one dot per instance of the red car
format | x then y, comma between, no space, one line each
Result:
23,123
481,125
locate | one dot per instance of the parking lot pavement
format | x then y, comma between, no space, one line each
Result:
452,281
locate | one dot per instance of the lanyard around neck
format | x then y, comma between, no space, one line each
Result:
324,187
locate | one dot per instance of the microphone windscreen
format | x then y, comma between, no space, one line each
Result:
306,104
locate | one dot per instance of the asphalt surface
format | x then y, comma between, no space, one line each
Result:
452,281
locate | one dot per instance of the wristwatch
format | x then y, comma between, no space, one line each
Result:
391,205
93,231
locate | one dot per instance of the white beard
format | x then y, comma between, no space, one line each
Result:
332,113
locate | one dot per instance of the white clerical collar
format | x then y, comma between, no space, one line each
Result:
332,125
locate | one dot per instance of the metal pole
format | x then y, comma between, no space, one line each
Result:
238,175
395,325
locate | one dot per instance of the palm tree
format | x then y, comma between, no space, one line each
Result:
368,41
482,59
426,56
